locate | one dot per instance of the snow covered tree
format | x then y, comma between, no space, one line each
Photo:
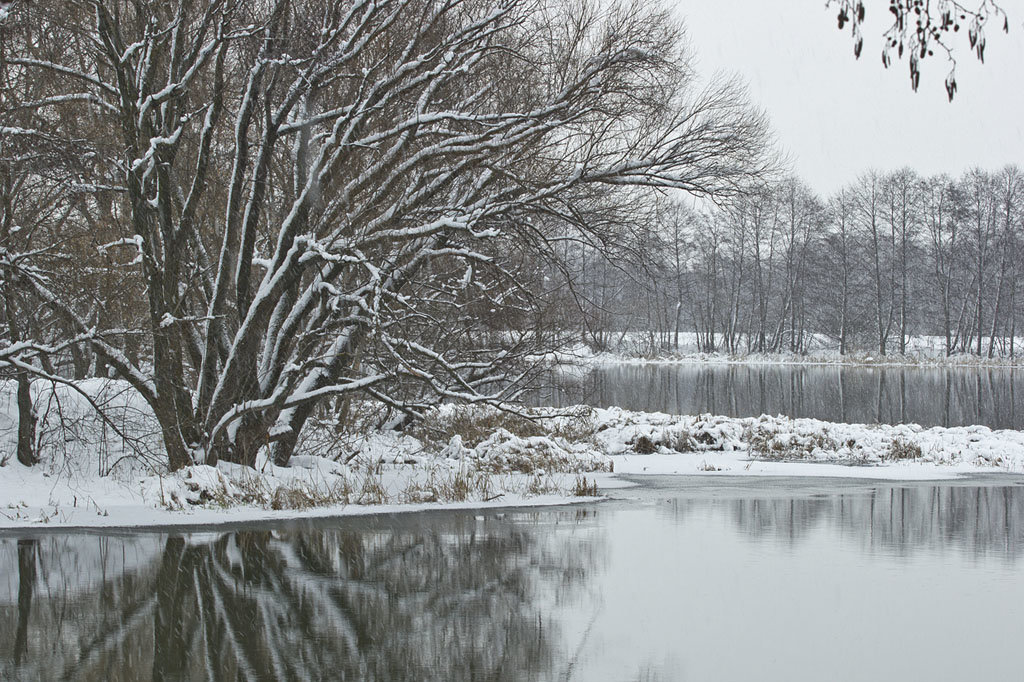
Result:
312,198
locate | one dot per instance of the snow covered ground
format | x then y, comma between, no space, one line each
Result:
783,446
469,457
922,350
33,500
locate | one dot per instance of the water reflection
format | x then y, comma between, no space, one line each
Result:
454,601
886,395
623,590
973,520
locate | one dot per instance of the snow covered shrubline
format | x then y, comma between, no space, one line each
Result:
730,444
635,348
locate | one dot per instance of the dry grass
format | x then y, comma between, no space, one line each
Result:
678,439
450,486
524,455
473,424
682,441
575,427
538,458
476,423
258,491
584,488
645,446
767,445
900,449
308,496
372,490
542,484
513,443
375,485
251,490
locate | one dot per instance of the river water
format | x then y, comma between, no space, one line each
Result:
678,579
993,397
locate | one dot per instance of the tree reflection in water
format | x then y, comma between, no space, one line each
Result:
884,395
976,520
443,597
460,600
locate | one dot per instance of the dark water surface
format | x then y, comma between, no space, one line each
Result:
733,580
856,395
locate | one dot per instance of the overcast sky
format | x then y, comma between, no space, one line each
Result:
836,116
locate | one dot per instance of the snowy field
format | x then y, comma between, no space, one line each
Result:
461,457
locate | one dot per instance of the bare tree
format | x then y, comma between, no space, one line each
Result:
893,254
901,189
943,232
842,219
1009,188
303,181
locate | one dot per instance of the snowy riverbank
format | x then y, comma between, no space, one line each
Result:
479,457
921,351
859,359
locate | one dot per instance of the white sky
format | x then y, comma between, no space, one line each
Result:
836,116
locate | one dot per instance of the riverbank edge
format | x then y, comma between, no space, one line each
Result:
316,515
709,484
785,360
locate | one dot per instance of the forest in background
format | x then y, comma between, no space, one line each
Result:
891,256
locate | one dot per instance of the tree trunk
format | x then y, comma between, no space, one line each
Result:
26,415
26,421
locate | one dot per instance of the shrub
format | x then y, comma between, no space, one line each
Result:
576,427
763,443
645,446
901,449
680,441
473,424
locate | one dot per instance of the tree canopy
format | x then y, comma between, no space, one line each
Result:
251,210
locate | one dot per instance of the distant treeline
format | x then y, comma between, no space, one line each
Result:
890,256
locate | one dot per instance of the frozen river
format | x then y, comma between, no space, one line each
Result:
993,397
677,579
